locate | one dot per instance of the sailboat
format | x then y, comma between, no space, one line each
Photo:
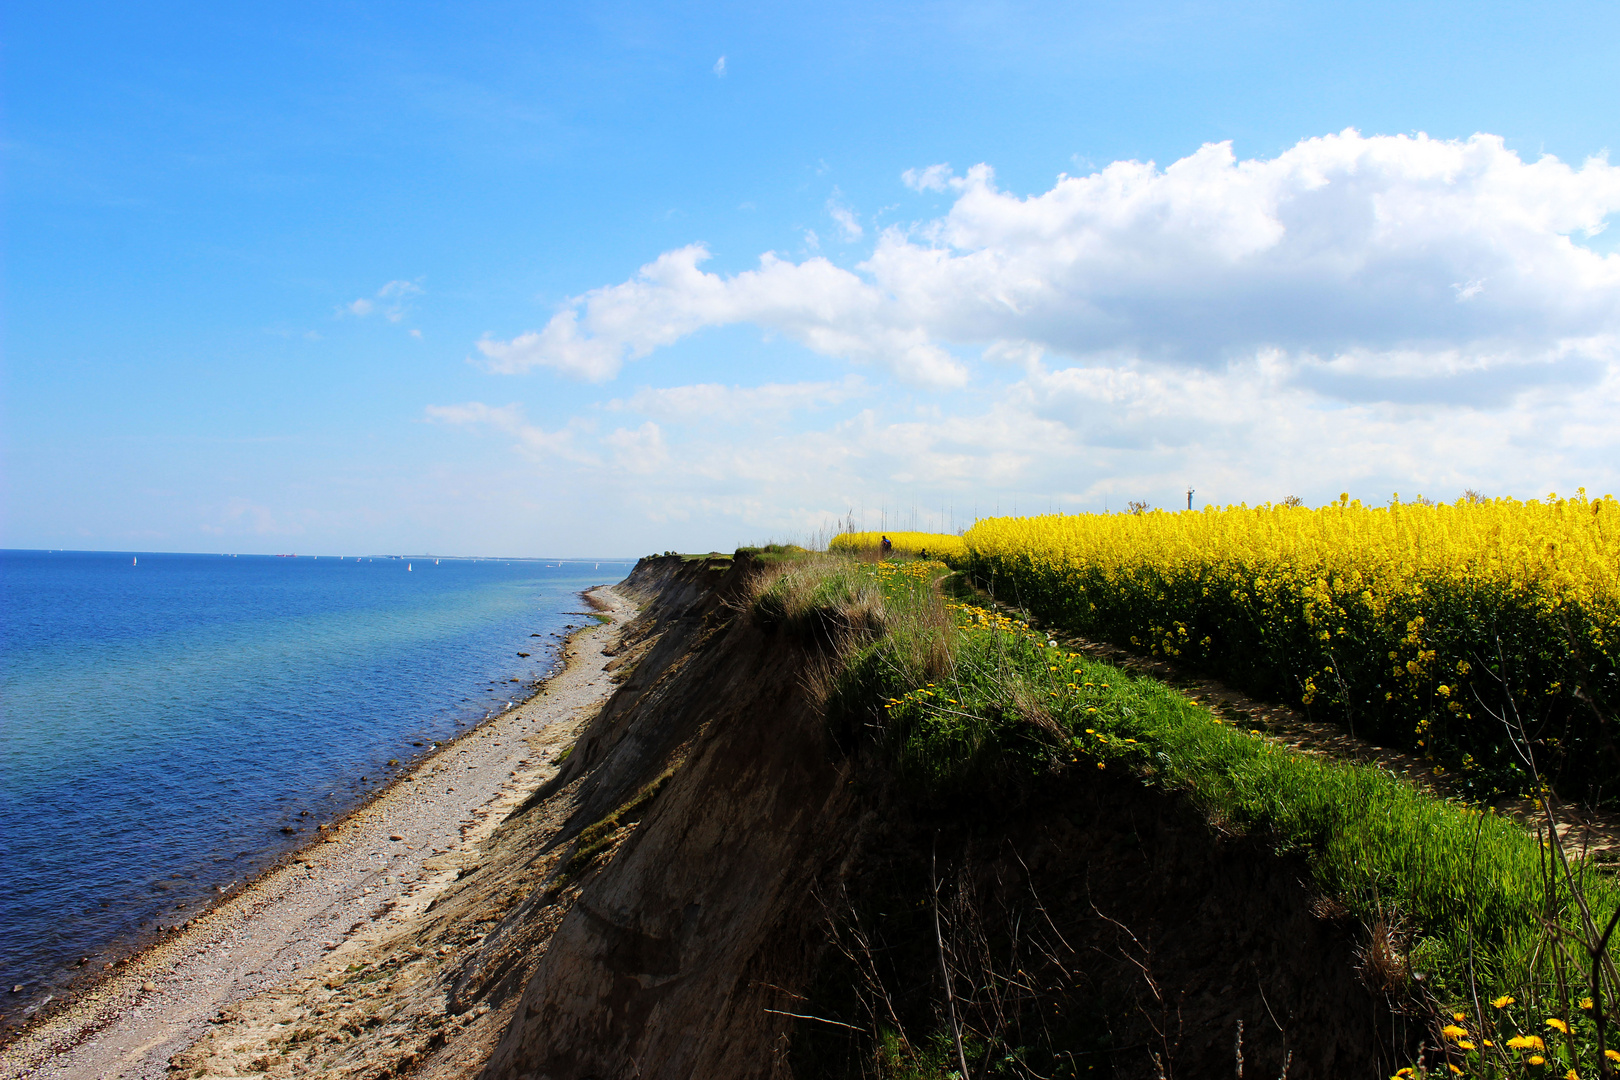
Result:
135,560
407,566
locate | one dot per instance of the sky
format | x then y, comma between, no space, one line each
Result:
610,279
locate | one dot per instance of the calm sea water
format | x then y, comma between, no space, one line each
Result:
164,717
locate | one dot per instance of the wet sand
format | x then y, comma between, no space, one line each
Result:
381,866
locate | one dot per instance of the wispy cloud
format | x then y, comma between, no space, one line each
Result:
389,300
849,226
707,402
720,67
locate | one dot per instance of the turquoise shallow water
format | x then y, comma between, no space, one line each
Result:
164,717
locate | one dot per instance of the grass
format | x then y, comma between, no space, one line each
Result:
1468,906
600,835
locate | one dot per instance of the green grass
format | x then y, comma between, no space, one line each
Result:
599,835
963,699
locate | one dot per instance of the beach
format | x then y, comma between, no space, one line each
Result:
367,878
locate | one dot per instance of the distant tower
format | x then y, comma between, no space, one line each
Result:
1189,497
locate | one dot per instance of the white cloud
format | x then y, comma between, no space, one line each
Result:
933,178
393,294
737,404
640,450
826,308
849,226
1363,314
533,441
1341,246
720,67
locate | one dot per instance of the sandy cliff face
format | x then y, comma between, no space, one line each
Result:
666,964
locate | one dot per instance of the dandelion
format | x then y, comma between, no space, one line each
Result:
1455,1071
1100,765
1612,1055
1557,1025
1586,1003
1452,1031
1504,1001
1527,1042
1536,1059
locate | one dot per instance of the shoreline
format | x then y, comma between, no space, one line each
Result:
373,864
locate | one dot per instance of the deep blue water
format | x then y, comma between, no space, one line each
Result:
163,717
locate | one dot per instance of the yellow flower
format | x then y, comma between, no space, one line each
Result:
1504,1001
1458,1017
1464,1044
1454,1068
1536,1059
1612,1055
1557,1025
1100,765
1452,1031
1586,1003
1572,1075
1527,1042
1403,1074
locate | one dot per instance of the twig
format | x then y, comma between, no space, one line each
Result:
817,1019
944,971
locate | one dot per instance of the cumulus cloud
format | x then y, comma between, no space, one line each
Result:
827,308
1401,257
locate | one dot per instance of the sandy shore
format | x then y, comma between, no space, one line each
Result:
377,869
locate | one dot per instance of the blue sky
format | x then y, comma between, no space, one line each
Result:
369,277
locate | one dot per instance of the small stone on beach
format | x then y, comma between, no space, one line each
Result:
148,987
396,836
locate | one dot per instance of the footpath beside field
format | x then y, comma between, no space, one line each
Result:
1586,830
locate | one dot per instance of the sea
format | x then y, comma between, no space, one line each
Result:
171,725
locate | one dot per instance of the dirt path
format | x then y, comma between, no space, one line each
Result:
1584,830
378,869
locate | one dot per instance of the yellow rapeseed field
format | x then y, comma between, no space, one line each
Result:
1454,630
938,545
